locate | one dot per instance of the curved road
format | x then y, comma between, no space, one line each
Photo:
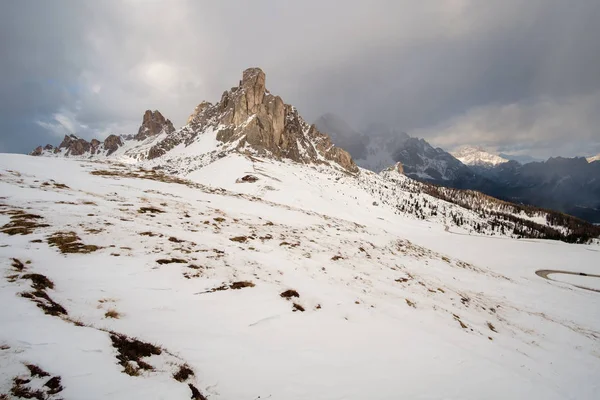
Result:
545,272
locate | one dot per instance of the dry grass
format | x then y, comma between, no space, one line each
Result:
17,264
492,327
183,373
131,350
21,223
288,294
151,210
241,285
171,261
36,371
239,239
297,307
462,324
69,242
112,313
410,303
39,281
196,395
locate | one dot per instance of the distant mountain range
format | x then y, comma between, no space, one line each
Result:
570,185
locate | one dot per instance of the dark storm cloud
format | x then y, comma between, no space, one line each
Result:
511,75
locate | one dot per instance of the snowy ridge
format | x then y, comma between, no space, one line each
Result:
471,155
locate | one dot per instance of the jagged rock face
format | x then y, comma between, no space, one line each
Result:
248,116
153,124
74,146
37,152
112,143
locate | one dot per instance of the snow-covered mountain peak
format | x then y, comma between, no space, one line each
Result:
594,158
478,156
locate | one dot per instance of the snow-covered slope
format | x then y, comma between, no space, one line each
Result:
471,155
246,277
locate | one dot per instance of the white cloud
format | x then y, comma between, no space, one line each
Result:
544,126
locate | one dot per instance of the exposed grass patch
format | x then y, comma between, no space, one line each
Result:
219,219
492,327
297,307
131,351
337,257
183,373
175,240
45,303
289,244
34,370
69,242
239,239
39,281
17,265
171,261
19,390
53,385
151,234
112,313
196,395
151,210
21,223
410,303
288,294
241,285
462,324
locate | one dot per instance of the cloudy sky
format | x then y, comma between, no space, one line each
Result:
518,76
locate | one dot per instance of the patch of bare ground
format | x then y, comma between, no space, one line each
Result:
151,234
288,294
131,351
112,313
171,261
239,239
234,286
462,324
337,257
55,185
297,307
17,265
69,242
21,223
151,210
410,303
492,327
196,395
183,373
31,387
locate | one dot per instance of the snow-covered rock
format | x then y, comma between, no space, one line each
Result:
477,156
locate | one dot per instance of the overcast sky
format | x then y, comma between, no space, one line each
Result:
520,76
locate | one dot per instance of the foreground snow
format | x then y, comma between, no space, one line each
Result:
395,307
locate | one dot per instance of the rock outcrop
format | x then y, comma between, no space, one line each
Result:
153,124
112,144
76,146
249,118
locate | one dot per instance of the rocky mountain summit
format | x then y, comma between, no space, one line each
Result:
247,119
153,124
